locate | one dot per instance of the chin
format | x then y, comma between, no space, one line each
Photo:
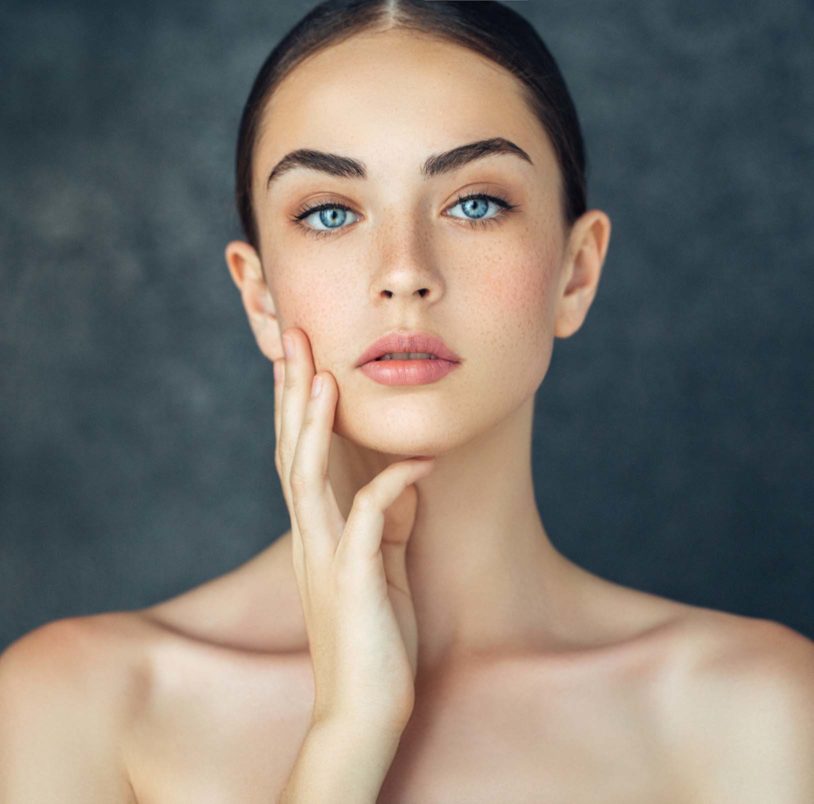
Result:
402,440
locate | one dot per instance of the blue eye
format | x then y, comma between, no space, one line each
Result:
334,220
327,216
478,205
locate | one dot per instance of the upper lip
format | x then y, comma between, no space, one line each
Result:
404,341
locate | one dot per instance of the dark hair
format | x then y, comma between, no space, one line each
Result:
488,28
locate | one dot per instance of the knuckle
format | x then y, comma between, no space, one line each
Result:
364,499
297,480
282,459
310,417
298,504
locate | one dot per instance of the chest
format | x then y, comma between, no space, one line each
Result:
232,738
522,741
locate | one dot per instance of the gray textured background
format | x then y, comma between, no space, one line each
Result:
673,435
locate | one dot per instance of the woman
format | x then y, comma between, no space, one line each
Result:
415,170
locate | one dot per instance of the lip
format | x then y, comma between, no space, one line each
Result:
407,372
408,341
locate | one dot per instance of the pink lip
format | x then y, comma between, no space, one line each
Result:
407,372
406,341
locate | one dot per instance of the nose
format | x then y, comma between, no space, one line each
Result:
406,270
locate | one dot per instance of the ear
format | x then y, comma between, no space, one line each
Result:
585,255
247,274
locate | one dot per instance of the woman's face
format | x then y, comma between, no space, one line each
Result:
346,277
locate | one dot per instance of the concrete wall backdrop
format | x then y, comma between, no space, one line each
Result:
672,449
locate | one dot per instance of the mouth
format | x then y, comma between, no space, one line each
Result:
404,346
388,370
407,356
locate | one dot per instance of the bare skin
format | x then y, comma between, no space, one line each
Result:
222,691
537,680
483,572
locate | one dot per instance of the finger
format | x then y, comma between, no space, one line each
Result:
279,385
299,372
318,516
399,520
363,533
297,556
279,377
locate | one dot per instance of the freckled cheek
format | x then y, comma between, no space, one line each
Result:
516,301
298,290
315,303
519,294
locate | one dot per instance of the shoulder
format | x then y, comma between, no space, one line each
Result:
744,710
253,607
67,689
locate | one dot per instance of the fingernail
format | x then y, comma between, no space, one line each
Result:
288,346
316,386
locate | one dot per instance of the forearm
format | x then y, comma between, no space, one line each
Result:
339,764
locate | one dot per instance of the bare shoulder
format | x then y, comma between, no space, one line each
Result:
86,701
253,607
67,690
743,707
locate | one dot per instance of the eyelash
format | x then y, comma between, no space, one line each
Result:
505,208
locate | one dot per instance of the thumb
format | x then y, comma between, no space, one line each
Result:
398,525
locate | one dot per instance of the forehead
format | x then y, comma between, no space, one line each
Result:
392,98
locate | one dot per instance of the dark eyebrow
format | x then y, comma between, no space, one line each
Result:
435,165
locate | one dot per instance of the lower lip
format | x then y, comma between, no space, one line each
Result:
407,372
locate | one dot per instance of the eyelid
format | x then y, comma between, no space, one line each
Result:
502,202
306,211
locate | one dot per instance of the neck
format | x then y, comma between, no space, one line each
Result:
484,576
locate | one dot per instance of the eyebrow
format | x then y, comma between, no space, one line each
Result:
435,165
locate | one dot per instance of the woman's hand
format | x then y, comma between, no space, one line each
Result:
351,574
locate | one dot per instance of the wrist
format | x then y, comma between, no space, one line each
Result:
341,761
357,731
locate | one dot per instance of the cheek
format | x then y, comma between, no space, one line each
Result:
516,307
519,288
319,303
